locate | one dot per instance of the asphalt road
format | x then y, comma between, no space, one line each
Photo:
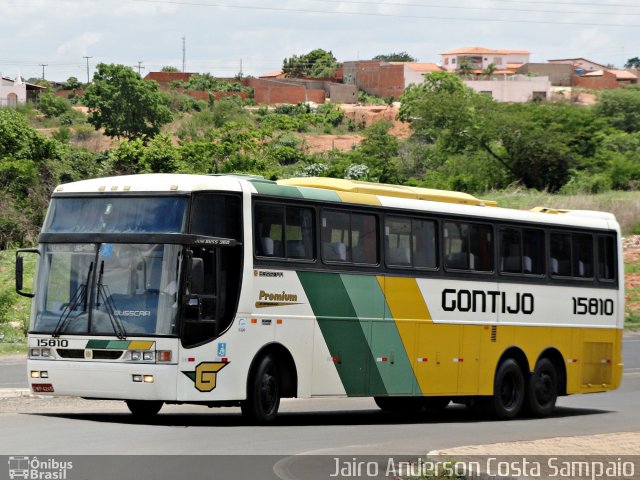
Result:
320,426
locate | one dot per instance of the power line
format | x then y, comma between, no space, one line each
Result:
388,15
43,65
462,7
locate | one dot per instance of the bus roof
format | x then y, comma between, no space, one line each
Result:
340,190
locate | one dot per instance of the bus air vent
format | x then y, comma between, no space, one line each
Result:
494,333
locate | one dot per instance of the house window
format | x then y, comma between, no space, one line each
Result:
497,60
539,96
453,61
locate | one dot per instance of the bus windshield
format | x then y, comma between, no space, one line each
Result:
116,215
108,289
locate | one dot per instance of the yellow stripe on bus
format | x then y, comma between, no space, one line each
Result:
140,345
362,198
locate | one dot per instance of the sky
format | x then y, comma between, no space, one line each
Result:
224,37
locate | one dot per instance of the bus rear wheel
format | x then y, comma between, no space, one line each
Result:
263,392
509,391
542,390
144,408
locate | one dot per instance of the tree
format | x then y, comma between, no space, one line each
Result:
53,106
169,69
532,142
72,83
125,105
395,57
317,63
633,63
621,107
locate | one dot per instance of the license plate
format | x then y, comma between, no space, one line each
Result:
42,387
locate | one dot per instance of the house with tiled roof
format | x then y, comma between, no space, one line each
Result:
580,65
478,59
165,78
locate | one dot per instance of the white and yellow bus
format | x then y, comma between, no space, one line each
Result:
235,290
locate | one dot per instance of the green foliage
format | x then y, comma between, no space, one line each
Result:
366,99
395,57
62,135
160,156
72,83
53,106
621,108
124,104
208,83
633,63
317,63
170,69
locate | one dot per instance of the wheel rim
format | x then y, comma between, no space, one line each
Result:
268,391
544,388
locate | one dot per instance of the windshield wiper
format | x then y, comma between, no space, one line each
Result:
78,297
107,300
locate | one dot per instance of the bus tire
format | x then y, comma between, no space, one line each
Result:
399,404
263,392
509,391
144,408
542,390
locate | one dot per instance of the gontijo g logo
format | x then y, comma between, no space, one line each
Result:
33,468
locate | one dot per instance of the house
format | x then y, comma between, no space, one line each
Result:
580,65
513,88
12,92
414,72
606,79
559,74
478,59
386,79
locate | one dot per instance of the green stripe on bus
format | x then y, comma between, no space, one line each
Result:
319,194
277,190
341,329
108,344
97,344
386,345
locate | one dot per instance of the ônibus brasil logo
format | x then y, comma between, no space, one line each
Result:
38,469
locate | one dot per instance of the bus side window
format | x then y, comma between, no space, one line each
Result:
364,239
606,258
423,243
510,251
560,260
336,238
268,230
582,255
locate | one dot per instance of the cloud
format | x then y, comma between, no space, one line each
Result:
78,46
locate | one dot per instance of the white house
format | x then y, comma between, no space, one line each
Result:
513,88
12,92
414,71
478,58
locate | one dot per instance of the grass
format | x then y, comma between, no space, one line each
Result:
632,297
14,309
624,205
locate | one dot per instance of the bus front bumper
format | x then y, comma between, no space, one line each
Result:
126,381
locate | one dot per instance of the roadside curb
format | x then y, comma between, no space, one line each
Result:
14,392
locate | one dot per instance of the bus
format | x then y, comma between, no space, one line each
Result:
233,290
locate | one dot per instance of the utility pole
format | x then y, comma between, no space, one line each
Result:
240,68
87,58
184,52
140,67
43,65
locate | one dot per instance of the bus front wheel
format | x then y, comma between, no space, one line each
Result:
144,408
509,391
542,391
263,392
